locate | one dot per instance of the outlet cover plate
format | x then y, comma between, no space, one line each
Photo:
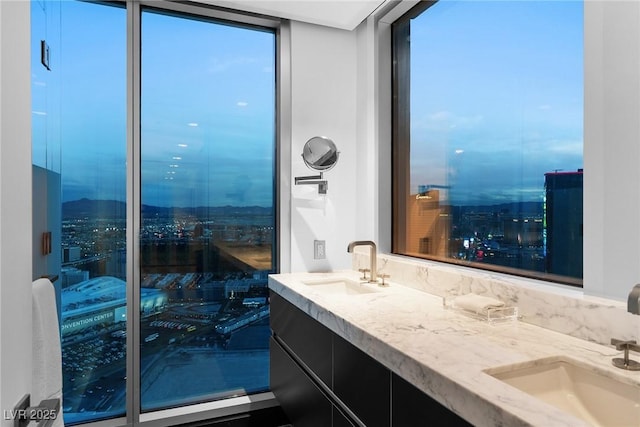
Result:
319,249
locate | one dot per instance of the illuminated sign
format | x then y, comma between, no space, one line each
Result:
76,324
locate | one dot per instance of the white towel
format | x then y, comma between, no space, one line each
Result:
477,303
46,347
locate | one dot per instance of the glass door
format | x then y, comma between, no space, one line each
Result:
79,168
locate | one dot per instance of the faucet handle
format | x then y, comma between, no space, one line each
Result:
623,345
364,272
383,276
625,362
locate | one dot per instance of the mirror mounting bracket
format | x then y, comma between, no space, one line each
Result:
320,154
313,180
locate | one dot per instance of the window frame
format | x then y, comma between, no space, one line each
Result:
400,148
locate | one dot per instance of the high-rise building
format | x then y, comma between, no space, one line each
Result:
428,224
563,223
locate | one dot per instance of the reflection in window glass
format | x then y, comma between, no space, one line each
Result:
488,136
207,233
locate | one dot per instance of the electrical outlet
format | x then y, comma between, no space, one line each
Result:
318,249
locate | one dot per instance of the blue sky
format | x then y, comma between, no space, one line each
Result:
496,102
497,97
208,100
208,105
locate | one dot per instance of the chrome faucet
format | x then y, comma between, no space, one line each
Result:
373,278
633,302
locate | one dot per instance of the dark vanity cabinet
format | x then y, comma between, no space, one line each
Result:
320,379
302,368
306,337
361,383
301,399
411,407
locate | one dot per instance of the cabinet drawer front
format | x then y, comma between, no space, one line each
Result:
362,383
302,401
410,405
305,336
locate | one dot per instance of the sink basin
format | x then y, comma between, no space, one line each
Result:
340,286
596,396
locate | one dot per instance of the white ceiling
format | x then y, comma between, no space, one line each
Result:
343,14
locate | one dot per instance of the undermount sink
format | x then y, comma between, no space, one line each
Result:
585,391
339,286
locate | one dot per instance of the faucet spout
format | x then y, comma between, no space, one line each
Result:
633,302
372,256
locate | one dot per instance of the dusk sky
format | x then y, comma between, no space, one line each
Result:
496,103
208,113
208,109
497,97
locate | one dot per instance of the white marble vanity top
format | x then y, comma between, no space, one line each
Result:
443,352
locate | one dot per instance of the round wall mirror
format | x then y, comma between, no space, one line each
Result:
320,153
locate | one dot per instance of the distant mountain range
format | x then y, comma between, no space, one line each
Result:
85,208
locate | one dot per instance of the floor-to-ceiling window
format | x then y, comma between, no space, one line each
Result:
200,111
207,220
488,136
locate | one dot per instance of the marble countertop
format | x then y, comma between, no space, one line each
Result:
444,353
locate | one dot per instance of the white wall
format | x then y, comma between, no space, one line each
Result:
335,90
15,205
612,148
367,161
323,102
